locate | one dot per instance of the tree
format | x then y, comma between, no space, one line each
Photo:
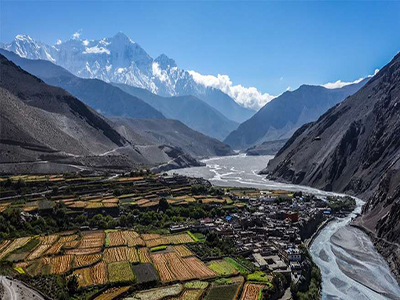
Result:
163,204
72,284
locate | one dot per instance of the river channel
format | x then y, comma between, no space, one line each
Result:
351,267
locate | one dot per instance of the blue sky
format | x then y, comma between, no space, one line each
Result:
268,45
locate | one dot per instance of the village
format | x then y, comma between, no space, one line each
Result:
142,222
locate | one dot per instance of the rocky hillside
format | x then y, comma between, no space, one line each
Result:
46,129
190,110
170,132
281,117
355,148
102,96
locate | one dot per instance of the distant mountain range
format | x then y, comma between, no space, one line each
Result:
355,148
46,129
121,100
190,110
120,60
281,117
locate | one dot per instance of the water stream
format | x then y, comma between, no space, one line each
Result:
351,268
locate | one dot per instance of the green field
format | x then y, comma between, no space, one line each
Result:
259,276
242,270
120,272
222,292
197,284
158,248
222,268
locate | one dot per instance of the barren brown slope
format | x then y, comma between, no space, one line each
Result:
355,148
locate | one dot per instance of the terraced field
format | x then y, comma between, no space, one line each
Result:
94,275
112,293
86,260
222,268
182,251
172,267
120,272
251,291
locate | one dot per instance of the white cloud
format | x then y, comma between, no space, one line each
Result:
77,34
58,42
248,97
162,75
339,84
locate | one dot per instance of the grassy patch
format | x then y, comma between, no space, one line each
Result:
222,281
19,270
200,237
197,284
222,292
222,268
259,276
242,270
120,272
159,248
192,236
28,246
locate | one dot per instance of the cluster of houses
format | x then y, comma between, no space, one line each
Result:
270,229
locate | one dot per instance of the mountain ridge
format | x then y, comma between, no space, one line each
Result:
119,59
282,116
355,148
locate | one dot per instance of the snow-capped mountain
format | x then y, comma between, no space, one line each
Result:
121,60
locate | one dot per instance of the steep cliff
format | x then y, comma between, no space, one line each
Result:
355,148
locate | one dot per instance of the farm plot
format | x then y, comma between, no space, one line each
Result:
145,273
251,291
38,252
196,284
172,267
133,238
226,291
157,242
123,238
58,264
56,248
222,267
79,251
14,245
86,260
150,236
182,251
112,293
68,238
71,244
189,295
121,254
242,270
144,255
115,238
120,272
95,275
92,240
200,269
48,239
182,238
132,255
158,293
4,244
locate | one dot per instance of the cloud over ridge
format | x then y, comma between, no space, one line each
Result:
248,97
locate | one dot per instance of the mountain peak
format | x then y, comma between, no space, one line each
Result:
165,62
122,37
23,37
